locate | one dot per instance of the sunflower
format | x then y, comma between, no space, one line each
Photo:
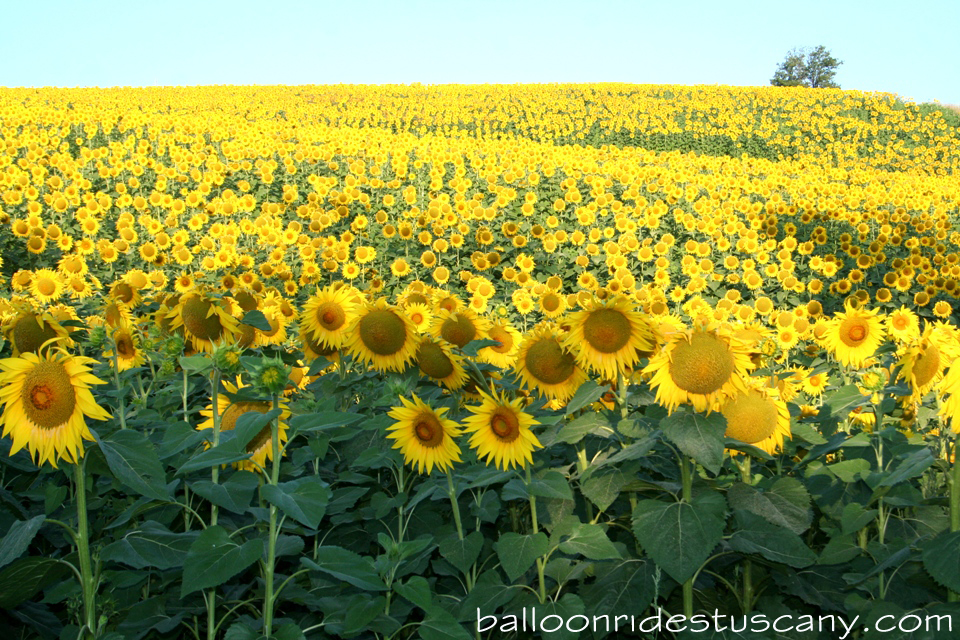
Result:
854,336
544,364
504,354
313,348
424,436
437,361
261,445
129,353
701,366
420,315
500,431
552,304
29,330
903,325
46,286
45,399
459,327
327,315
206,319
924,360
383,337
757,416
608,337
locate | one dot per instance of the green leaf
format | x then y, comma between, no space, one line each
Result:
324,420
845,399
755,535
588,393
854,517
848,470
603,487
462,553
305,499
133,460
517,553
679,536
196,364
698,435
566,608
256,319
627,586
25,577
551,484
786,503
590,541
440,625
18,538
577,429
347,566
233,494
941,559
151,545
416,590
214,558
911,466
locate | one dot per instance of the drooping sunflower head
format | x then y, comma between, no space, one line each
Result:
500,432
545,365
205,319
504,354
459,327
436,360
328,314
924,360
383,337
425,438
45,400
757,416
313,348
854,336
128,351
609,337
29,330
702,367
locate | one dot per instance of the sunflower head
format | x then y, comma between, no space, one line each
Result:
544,364
425,438
46,398
500,432
854,336
437,361
328,314
609,337
459,327
383,337
757,416
30,330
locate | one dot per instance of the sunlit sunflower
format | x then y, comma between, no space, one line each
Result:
45,400
261,445
854,336
701,366
903,324
420,315
500,431
437,361
424,436
205,318
545,365
459,327
504,354
759,417
924,360
129,353
328,314
313,348
46,286
608,337
383,337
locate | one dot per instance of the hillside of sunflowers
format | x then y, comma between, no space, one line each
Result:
478,361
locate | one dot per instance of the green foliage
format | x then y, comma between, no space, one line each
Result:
812,68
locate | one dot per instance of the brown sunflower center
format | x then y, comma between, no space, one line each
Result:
548,362
48,395
46,286
247,334
428,430
702,365
416,298
751,417
125,346
246,300
124,292
331,316
504,339
433,361
30,332
551,302
458,330
607,330
195,319
505,426
853,331
382,332
926,366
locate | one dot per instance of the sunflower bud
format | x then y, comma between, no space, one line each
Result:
173,346
226,358
97,337
271,376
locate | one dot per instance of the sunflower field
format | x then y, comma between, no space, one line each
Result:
478,361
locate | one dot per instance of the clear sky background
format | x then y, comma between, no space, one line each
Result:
908,48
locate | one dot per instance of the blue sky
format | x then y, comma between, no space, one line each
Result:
907,48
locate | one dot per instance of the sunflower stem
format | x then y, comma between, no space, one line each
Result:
451,491
747,477
953,596
687,480
88,586
215,472
542,593
116,380
268,598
